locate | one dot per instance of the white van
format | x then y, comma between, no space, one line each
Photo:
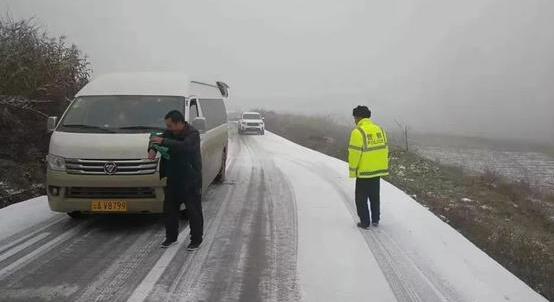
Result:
251,121
98,159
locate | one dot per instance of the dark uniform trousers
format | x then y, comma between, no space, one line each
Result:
368,188
191,196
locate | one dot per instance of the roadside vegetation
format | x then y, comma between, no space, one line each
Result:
38,75
511,221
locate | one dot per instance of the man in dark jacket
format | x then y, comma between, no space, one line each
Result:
183,170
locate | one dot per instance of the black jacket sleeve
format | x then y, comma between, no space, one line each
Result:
190,143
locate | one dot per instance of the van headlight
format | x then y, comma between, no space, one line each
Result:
56,163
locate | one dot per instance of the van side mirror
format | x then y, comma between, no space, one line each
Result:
200,124
223,88
51,123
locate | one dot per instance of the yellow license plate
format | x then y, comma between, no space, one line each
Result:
108,206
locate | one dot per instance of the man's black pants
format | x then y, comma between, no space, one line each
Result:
191,196
368,188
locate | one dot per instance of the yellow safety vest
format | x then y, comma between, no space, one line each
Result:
368,151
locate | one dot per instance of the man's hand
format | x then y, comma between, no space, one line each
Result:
156,140
152,154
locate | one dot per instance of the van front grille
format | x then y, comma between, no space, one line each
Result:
106,192
111,167
252,124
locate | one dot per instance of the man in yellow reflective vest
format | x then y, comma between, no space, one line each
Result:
368,160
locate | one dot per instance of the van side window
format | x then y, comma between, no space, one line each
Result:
214,111
193,110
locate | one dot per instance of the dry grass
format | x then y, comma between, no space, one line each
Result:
508,220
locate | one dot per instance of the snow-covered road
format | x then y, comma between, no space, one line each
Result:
282,228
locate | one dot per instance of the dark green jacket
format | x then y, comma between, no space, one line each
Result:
184,167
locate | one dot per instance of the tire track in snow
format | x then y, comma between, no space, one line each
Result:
253,265
67,272
251,257
229,241
112,283
185,285
149,281
37,251
7,253
16,239
283,224
273,246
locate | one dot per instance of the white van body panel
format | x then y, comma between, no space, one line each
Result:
140,83
105,146
212,147
204,90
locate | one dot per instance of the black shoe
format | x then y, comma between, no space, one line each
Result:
167,243
193,246
375,224
363,226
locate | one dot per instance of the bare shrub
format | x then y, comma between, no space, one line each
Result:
489,176
34,65
38,74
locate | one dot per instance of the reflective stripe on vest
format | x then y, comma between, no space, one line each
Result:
365,147
373,173
364,137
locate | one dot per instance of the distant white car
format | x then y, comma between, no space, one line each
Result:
251,122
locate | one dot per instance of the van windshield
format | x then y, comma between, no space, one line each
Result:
251,116
117,114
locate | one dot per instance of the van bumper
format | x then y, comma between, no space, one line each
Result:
63,183
251,128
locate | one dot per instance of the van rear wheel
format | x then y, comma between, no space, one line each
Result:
220,178
75,214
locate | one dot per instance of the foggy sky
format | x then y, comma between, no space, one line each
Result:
472,67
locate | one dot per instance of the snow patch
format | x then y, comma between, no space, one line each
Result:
23,215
